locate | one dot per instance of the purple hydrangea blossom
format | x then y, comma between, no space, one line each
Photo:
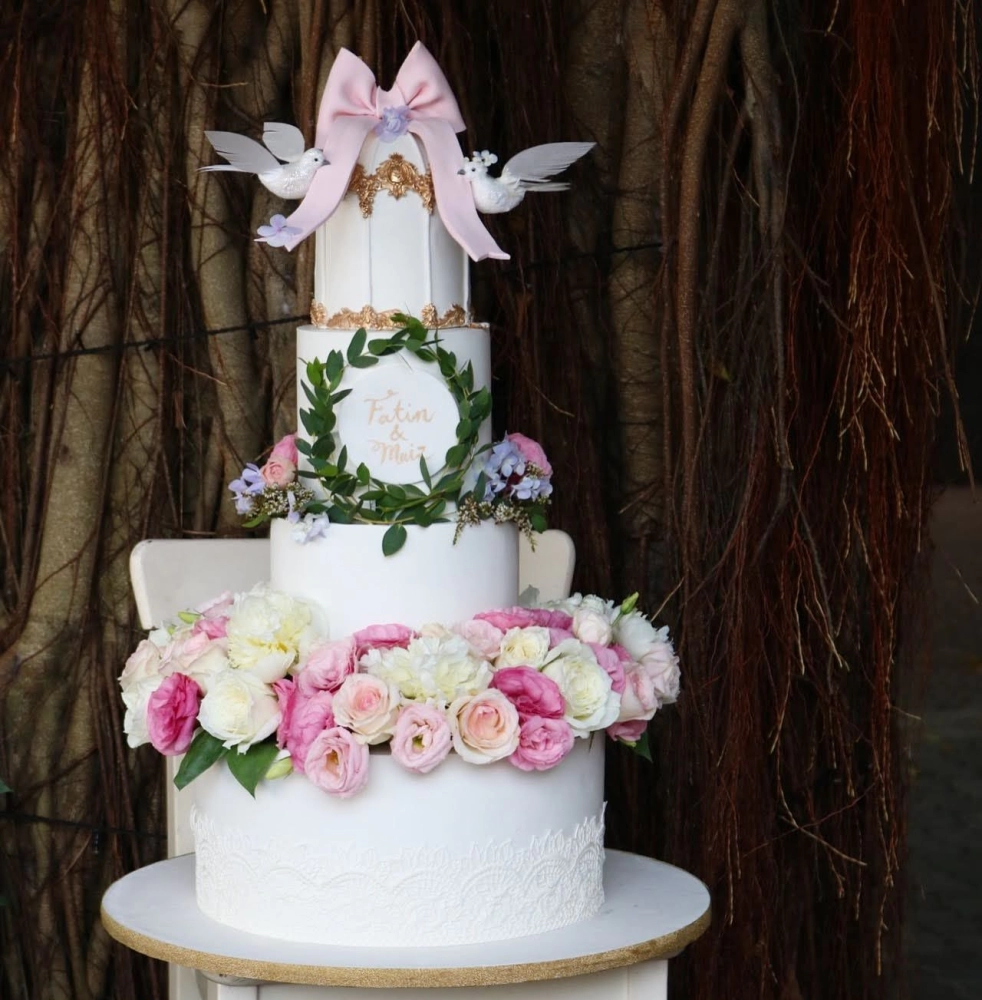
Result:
532,488
394,123
504,462
311,526
277,232
248,485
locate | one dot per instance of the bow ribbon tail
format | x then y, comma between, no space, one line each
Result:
454,198
331,181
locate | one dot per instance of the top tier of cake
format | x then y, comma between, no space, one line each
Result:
385,249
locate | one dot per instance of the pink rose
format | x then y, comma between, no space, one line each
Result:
611,662
213,628
422,738
172,714
381,637
485,726
483,637
639,699
628,732
531,451
530,692
214,616
327,666
278,471
508,618
367,706
337,762
542,743
304,718
286,448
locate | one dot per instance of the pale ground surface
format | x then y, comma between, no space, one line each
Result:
945,874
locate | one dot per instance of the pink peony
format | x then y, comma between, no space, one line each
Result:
327,666
628,732
367,706
304,718
278,471
623,654
381,637
508,618
482,636
558,635
172,714
542,743
286,448
337,762
531,451
611,662
422,738
532,693
485,726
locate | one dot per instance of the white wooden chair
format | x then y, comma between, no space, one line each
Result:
172,575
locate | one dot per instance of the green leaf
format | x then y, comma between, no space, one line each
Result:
396,492
425,472
393,540
4,787
538,521
250,768
425,354
338,396
204,751
343,459
334,367
457,455
315,373
363,474
641,748
464,429
356,345
366,361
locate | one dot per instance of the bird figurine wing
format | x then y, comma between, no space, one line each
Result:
284,141
531,168
242,153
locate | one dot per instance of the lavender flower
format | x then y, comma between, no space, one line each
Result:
310,527
394,123
247,486
532,487
277,232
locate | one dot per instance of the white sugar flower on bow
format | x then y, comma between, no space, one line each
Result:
527,171
283,164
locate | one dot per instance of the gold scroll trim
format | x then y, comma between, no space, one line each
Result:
394,174
373,319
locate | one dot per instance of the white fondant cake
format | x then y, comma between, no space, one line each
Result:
450,857
461,854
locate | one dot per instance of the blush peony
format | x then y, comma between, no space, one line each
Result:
542,743
172,714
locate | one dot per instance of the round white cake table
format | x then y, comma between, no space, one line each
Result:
651,912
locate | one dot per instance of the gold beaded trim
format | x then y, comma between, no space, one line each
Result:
395,175
373,319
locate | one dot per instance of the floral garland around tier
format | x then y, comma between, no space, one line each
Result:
511,479
253,680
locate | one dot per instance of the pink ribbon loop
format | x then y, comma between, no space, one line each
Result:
353,105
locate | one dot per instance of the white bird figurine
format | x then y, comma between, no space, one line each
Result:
287,179
526,171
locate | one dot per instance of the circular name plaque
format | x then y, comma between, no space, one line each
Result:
395,416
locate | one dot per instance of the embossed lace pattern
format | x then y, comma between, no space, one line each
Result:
345,895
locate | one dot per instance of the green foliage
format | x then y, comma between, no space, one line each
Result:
250,768
204,751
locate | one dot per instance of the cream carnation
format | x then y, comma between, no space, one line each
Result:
591,702
267,633
432,668
523,647
395,666
485,727
239,709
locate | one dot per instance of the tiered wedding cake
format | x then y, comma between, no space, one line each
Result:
291,684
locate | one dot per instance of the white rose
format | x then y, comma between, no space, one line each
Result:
268,632
591,702
591,626
239,709
447,668
523,647
635,633
135,698
367,706
661,665
206,668
144,663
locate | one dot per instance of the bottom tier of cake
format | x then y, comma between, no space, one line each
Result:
463,855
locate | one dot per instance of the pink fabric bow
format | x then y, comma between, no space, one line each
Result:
352,106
